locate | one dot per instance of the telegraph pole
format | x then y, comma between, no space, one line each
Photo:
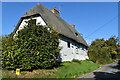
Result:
119,24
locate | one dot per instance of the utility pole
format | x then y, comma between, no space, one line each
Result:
59,8
119,23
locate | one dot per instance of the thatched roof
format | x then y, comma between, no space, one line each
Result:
57,22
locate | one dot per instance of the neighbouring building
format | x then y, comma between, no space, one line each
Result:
74,46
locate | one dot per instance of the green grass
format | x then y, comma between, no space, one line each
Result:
65,70
75,69
110,62
8,74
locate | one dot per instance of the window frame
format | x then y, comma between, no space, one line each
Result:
32,23
68,44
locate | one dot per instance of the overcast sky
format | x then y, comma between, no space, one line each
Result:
91,19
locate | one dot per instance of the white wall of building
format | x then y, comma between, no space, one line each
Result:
23,23
76,51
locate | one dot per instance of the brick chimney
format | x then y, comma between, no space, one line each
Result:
55,11
72,25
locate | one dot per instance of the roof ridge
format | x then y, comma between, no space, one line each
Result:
61,25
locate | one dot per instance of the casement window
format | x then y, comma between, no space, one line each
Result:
68,44
76,34
32,22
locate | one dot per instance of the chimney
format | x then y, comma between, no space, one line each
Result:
55,11
72,25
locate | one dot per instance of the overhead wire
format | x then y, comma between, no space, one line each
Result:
102,26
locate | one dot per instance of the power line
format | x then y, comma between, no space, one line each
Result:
102,26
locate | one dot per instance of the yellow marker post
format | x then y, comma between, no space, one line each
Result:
17,71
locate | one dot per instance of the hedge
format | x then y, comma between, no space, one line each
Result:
34,47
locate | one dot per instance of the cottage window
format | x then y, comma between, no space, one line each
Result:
76,34
82,48
68,44
32,22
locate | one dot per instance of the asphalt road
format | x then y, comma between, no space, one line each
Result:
111,71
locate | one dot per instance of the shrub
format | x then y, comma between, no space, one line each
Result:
101,51
75,60
33,47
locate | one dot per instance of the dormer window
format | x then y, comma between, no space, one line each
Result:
76,34
32,22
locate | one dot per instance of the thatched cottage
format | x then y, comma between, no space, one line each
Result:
74,46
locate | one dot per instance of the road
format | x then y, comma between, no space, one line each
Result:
106,71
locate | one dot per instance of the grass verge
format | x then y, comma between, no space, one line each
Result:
66,70
75,69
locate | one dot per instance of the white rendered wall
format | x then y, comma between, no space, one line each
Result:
23,23
76,51
66,54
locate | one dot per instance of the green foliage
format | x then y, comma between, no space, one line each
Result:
75,69
67,70
102,51
75,60
33,47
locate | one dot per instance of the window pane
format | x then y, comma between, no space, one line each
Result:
68,44
32,22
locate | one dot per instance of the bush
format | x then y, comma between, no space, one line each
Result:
101,51
34,47
75,60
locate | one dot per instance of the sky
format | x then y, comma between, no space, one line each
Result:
91,19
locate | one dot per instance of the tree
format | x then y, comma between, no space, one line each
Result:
113,48
103,51
34,47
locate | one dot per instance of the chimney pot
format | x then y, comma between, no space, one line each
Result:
72,25
55,11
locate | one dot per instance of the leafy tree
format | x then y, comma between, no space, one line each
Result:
101,51
34,47
113,48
